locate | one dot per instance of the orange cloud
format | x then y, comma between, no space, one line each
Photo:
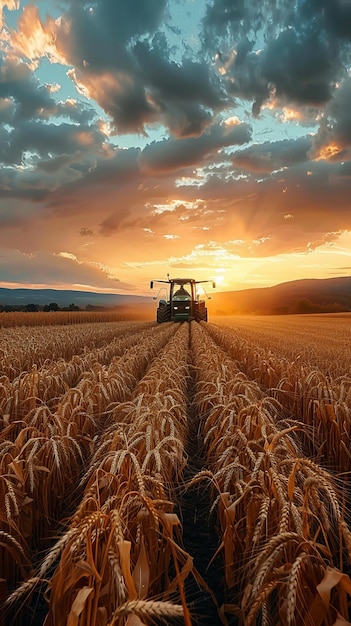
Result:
328,151
34,39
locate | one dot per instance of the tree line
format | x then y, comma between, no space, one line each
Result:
35,308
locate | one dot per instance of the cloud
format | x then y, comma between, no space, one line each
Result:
96,32
256,209
28,98
120,59
301,67
34,38
16,215
269,156
185,94
28,138
172,154
86,232
49,140
290,50
97,41
337,17
113,222
59,270
224,18
23,98
334,134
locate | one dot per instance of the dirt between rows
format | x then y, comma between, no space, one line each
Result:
200,536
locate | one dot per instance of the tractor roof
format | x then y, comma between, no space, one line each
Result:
182,281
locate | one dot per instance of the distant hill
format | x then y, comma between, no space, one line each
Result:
22,297
299,296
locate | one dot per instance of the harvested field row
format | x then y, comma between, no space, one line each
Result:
107,460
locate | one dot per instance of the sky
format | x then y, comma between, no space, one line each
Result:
201,138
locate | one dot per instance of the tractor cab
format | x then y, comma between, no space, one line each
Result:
182,298
183,303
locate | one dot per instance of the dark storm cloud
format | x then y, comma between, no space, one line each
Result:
337,15
338,112
270,156
128,70
46,140
185,94
29,99
75,112
61,159
173,154
300,71
6,110
102,30
223,17
301,67
26,134
293,50
118,170
334,131
22,98
97,40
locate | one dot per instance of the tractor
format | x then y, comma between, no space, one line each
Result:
183,304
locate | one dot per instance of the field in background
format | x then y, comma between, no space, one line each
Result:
190,473
323,340
53,318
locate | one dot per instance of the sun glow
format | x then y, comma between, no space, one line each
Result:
219,279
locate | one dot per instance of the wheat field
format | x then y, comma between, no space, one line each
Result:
193,473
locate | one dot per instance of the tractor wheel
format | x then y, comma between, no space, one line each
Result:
163,313
200,314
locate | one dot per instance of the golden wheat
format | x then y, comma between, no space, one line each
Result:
96,420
